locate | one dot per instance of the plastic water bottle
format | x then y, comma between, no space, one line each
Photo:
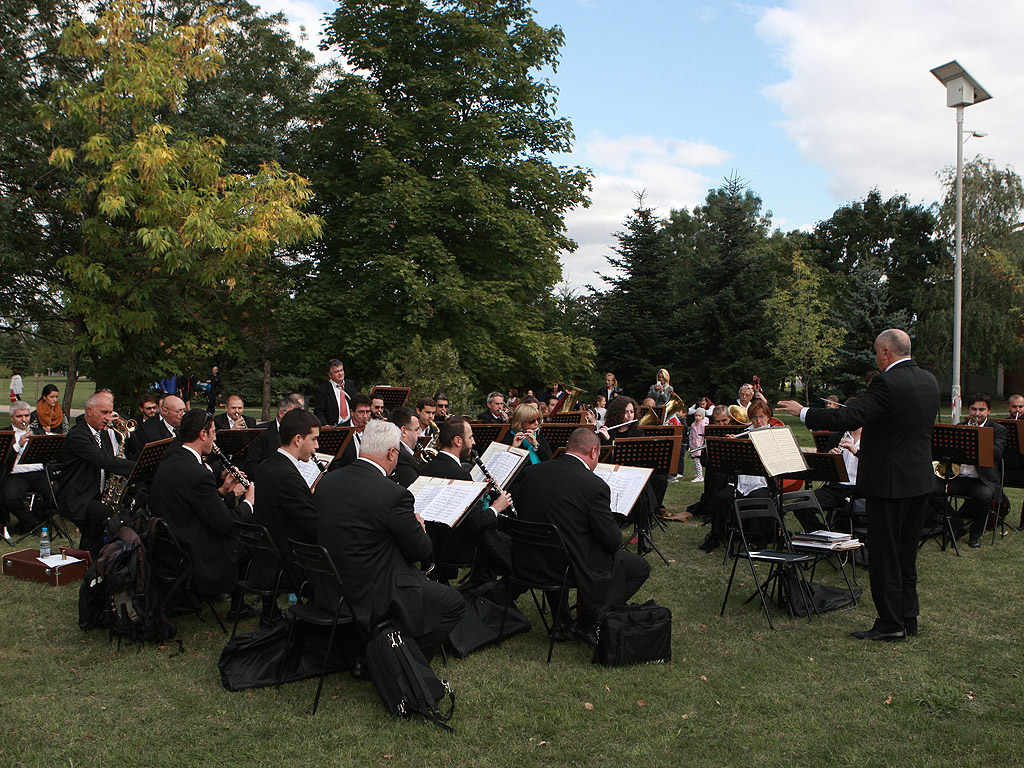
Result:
292,598
44,543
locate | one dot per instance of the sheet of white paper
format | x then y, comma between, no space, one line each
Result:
444,501
309,471
626,483
501,461
778,450
54,560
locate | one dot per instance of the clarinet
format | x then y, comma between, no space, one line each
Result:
231,467
319,464
483,468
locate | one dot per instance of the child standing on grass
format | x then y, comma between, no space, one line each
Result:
700,421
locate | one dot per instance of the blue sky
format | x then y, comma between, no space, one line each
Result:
812,102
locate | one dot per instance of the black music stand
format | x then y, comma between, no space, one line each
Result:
673,431
46,450
1014,447
956,444
6,441
721,430
485,434
393,397
568,417
235,443
558,435
148,461
334,440
821,439
651,453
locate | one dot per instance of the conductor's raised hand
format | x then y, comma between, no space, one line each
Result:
792,407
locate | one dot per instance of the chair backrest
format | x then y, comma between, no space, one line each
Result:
314,558
797,501
543,545
759,508
256,538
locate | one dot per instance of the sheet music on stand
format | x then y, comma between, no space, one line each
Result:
502,461
310,471
445,501
626,484
778,450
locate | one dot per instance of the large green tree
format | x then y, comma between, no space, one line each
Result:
164,230
443,210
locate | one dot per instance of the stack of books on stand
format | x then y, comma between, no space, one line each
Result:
825,540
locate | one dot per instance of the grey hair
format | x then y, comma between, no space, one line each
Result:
94,399
20,405
379,437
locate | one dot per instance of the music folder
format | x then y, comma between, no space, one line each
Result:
778,450
502,461
445,501
625,482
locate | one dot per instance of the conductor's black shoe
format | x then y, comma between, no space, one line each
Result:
975,541
874,634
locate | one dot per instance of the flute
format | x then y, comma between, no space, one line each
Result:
235,471
483,468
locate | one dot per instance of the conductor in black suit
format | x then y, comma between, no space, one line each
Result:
233,417
201,508
478,527
979,484
895,475
369,525
89,457
332,399
566,493
285,504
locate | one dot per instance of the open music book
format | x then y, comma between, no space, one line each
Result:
626,484
502,461
778,450
441,500
310,471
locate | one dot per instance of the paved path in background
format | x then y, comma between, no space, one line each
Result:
6,408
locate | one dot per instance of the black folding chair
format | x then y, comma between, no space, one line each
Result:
781,561
256,539
538,538
173,572
994,516
313,559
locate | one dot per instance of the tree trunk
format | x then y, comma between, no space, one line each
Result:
72,375
266,390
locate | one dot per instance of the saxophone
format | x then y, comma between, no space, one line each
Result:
116,484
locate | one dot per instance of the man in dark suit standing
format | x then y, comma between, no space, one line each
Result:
285,504
264,445
200,508
406,469
369,525
895,475
979,484
566,493
332,399
89,457
233,417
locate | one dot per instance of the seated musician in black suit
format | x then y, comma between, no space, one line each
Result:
426,409
495,413
369,526
1013,462
407,469
161,427
270,440
478,528
90,455
714,480
332,399
979,484
524,432
567,493
23,479
441,402
233,416
149,407
201,508
285,505
361,412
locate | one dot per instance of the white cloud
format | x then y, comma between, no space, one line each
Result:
663,169
860,100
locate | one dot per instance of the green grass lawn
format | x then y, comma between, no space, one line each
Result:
735,692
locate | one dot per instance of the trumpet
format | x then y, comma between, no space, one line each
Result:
123,427
235,471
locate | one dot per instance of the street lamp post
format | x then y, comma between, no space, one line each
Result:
962,90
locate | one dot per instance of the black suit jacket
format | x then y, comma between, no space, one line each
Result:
565,493
325,404
284,505
406,470
897,411
489,418
80,478
262,447
367,524
184,493
152,430
221,421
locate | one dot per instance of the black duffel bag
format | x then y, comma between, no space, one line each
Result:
634,634
480,624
